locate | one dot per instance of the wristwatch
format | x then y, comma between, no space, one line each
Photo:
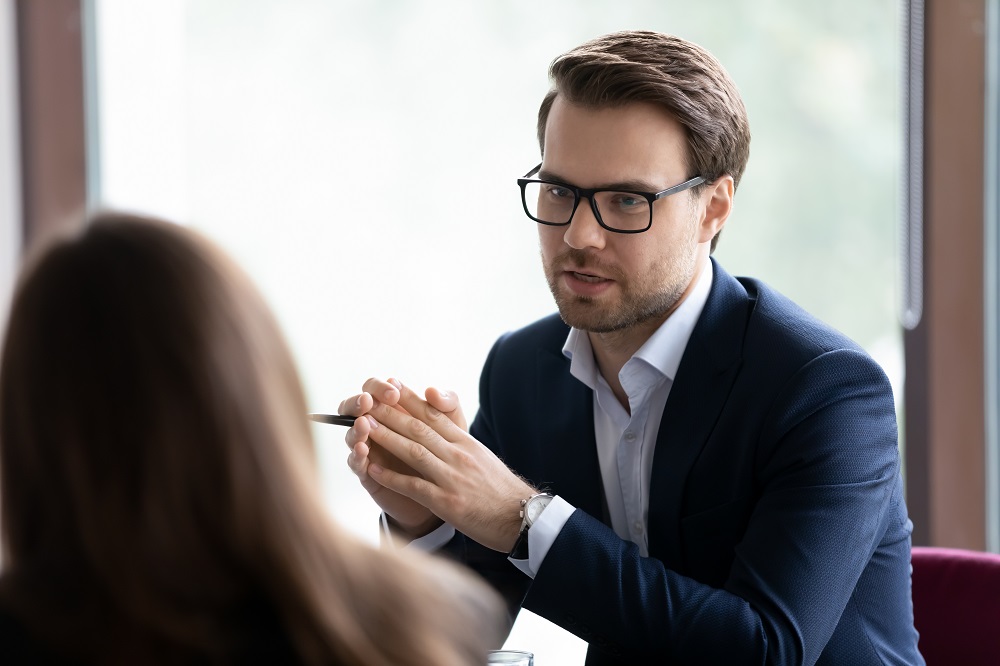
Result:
531,509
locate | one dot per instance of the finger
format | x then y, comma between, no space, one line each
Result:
357,459
381,391
410,440
424,411
358,432
417,489
359,463
447,402
356,405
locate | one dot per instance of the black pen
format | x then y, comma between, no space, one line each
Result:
335,419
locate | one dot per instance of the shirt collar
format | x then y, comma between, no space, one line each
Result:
664,348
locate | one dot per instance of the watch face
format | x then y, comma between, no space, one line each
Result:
534,508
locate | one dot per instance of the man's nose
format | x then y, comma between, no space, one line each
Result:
584,230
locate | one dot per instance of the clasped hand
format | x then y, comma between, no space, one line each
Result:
421,466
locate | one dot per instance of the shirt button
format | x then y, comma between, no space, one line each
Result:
629,436
637,525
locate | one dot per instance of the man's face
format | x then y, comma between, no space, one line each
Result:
604,281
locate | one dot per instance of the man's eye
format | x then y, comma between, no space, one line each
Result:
625,201
556,192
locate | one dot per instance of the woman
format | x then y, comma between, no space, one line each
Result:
160,502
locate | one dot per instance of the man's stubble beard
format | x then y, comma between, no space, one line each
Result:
648,299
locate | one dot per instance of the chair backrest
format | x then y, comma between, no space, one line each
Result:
956,605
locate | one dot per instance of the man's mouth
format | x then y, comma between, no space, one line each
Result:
587,277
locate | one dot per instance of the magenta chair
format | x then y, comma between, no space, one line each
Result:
956,606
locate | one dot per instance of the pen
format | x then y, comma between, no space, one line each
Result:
335,419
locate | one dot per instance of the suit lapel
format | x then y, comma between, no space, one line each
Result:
706,373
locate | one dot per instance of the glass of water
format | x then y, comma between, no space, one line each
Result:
511,658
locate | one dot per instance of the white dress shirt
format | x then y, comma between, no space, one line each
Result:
625,438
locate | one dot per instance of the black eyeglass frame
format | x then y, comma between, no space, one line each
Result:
588,193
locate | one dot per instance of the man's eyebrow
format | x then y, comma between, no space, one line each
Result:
634,185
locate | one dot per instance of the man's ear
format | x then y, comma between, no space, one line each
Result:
717,204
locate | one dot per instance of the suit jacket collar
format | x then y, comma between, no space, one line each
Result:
706,373
708,368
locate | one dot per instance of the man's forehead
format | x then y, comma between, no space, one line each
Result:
563,110
591,147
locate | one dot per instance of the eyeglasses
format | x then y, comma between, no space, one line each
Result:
625,212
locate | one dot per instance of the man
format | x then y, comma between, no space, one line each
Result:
683,466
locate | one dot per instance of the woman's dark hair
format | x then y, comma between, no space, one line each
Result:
158,477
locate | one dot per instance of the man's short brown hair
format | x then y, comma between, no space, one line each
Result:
681,77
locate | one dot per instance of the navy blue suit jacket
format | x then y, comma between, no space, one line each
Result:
778,533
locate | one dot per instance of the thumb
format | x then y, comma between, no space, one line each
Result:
447,403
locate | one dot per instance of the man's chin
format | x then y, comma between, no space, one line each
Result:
585,315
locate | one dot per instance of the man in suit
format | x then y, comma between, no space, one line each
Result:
682,466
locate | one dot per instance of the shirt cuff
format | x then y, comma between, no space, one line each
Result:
543,534
429,542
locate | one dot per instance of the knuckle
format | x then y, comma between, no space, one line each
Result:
406,485
419,430
433,415
418,453
462,459
353,437
380,411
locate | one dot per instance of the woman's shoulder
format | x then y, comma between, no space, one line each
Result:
18,646
253,635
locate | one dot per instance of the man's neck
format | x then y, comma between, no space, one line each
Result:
613,350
